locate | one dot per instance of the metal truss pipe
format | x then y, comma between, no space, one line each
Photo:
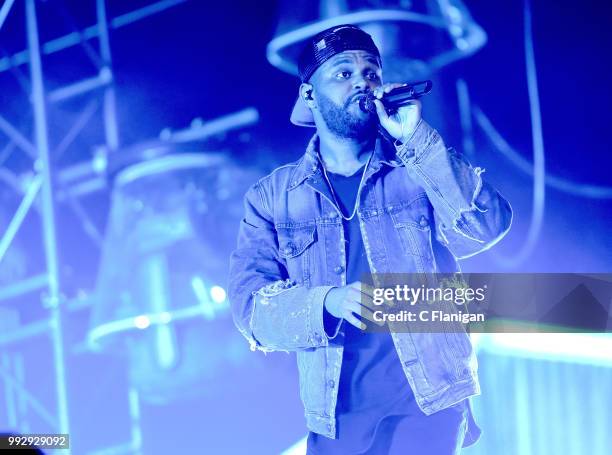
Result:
109,110
76,38
4,11
20,215
27,398
17,137
25,332
48,216
24,286
82,86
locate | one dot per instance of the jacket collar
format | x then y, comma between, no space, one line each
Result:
311,162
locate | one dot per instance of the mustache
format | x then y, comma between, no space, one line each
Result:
355,96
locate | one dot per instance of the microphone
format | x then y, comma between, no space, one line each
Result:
397,97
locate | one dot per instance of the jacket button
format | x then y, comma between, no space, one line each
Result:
424,222
288,249
329,427
318,338
338,269
331,383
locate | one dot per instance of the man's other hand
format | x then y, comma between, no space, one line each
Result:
353,299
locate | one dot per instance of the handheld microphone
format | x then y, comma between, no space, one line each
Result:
397,97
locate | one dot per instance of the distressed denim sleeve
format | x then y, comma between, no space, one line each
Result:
271,311
470,215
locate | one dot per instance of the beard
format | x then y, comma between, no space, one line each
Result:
344,123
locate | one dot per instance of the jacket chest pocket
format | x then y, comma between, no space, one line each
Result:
413,223
295,246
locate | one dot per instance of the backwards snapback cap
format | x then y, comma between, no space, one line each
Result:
320,49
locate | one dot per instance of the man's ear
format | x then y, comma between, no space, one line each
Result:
306,94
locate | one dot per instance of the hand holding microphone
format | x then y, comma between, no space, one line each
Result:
397,107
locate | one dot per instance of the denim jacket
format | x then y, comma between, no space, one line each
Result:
422,206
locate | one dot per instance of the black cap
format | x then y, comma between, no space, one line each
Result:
330,42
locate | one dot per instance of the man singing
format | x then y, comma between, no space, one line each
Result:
374,193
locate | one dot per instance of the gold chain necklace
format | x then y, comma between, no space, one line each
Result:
358,190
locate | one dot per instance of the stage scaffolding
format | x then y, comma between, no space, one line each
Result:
17,396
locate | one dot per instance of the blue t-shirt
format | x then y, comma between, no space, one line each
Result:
372,382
